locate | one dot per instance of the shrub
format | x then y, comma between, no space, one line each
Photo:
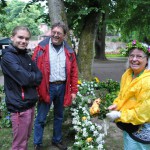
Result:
5,115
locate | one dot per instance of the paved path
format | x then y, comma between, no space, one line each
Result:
111,69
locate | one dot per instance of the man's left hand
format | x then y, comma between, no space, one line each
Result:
73,96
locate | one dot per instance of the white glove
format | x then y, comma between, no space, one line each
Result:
113,115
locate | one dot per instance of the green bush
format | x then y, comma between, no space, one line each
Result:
5,120
5,115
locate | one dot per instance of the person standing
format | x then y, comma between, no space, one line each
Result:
21,78
130,110
57,62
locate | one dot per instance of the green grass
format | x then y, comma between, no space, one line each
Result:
113,140
113,55
6,137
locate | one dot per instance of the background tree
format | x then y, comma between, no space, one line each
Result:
87,19
132,19
16,14
2,5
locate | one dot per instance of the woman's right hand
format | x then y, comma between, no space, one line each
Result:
112,107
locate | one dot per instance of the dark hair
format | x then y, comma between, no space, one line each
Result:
17,28
61,25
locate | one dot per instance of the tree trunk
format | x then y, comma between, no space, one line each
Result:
87,45
57,14
100,41
56,11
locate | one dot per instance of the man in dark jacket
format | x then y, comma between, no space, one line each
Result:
21,78
57,62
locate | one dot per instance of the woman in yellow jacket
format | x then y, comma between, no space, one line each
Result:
131,109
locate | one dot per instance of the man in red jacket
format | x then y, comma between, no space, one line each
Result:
57,62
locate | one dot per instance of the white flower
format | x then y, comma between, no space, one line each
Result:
92,128
99,139
85,134
78,143
95,133
91,146
100,147
99,127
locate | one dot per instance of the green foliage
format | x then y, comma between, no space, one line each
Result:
16,13
106,102
6,138
110,85
132,45
5,121
136,23
114,40
108,92
5,115
77,17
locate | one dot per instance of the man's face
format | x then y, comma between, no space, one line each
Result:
57,36
21,39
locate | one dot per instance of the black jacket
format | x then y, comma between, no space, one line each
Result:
21,77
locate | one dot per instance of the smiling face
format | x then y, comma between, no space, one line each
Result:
20,39
57,35
137,61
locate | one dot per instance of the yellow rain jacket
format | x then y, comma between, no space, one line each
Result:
134,98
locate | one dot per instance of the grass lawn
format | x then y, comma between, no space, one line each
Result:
113,55
6,137
113,140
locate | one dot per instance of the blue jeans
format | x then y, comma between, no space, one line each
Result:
57,92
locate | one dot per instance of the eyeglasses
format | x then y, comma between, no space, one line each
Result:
58,33
139,57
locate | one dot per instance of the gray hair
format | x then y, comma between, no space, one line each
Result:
61,25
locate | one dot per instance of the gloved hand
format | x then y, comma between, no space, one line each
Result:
113,115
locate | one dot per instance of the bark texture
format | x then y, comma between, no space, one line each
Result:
56,11
87,45
57,14
100,40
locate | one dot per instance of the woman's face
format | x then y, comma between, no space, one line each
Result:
137,61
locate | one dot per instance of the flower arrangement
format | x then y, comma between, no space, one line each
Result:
135,44
87,107
89,135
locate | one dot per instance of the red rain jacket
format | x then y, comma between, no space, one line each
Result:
41,57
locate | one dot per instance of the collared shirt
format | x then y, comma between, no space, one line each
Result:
57,63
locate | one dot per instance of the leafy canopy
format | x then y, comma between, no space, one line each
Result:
16,13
